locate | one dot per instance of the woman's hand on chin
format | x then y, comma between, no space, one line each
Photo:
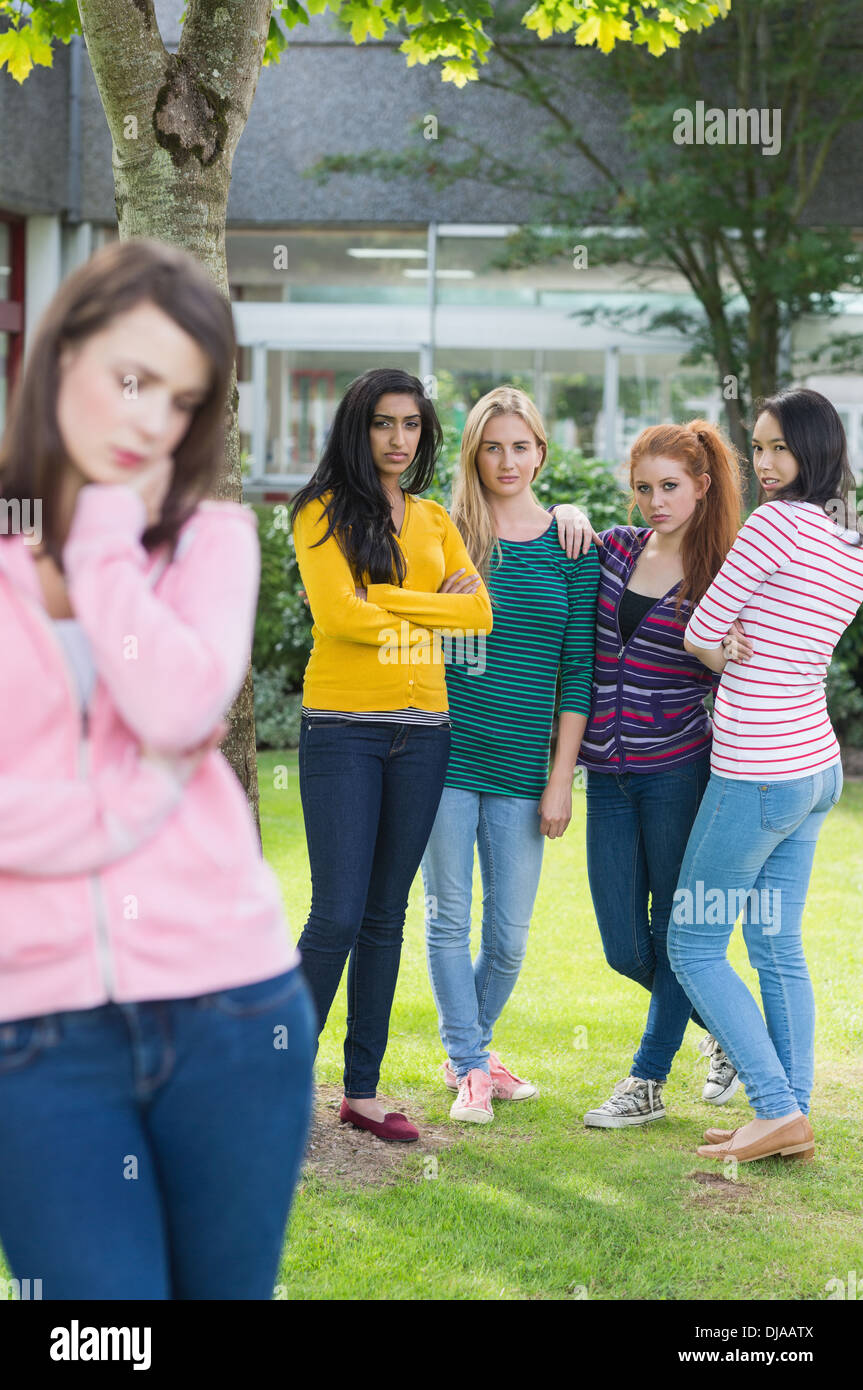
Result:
152,483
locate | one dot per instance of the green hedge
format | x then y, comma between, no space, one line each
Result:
282,634
283,625
845,686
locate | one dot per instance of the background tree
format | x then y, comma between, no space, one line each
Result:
726,217
175,119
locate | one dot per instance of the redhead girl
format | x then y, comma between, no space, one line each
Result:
795,580
151,1122
647,744
384,571
499,795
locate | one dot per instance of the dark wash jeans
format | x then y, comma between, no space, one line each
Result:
638,825
370,794
150,1151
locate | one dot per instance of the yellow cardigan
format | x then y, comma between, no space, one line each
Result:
379,654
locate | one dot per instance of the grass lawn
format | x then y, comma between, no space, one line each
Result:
534,1206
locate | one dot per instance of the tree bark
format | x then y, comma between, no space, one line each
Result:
175,121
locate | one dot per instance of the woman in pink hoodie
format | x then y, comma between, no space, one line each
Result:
155,1032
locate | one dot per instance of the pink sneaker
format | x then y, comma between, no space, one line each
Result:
449,1076
473,1101
506,1085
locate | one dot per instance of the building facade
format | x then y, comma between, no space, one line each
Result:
330,279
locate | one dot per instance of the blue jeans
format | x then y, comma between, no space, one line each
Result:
754,835
369,793
470,997
637,828
150,1151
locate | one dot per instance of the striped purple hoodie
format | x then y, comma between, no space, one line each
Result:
647,710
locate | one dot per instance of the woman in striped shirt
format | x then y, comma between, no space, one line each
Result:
647,744
384,571
795,580
499,794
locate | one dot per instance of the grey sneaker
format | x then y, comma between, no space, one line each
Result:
722,1079
634,1102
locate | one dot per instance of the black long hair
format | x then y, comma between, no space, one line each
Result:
814,433
358,511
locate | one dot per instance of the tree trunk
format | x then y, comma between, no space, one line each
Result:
175,121
739,437
729,371
763,353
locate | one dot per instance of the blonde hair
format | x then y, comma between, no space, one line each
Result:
470,510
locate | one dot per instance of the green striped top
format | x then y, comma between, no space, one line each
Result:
502,695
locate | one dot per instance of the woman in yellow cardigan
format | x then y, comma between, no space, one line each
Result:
391,588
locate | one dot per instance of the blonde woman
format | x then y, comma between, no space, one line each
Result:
499,794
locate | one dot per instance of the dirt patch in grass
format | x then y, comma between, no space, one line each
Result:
716,1190
340,1155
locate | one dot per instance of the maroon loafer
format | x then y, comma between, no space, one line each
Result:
395,1127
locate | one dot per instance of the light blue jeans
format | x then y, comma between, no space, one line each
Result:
470,996
757,836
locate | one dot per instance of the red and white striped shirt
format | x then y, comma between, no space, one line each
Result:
795,585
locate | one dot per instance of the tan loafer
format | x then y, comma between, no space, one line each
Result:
718,1136
792,1140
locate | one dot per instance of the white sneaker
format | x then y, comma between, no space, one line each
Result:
634,1102
722,1079
473,1101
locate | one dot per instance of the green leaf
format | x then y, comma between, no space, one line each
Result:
538,20
553,17
292,13
365,19
459,71
415,51
611,28
21,48
605,22
650,32
277,42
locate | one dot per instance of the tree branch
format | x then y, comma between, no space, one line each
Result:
224,45
539,97
128,59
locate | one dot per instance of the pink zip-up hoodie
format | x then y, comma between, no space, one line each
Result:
118,882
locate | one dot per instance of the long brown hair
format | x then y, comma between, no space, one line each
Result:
115,279
702,449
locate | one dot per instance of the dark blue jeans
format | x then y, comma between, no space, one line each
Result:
370,794
151,1150
637,828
